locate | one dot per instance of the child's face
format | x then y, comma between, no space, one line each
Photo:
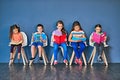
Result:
98,29
39,29
59,26
15,30
77,28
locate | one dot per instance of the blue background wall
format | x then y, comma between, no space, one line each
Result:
28,13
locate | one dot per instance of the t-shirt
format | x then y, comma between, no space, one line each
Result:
98,37
17,37
37,36
59,37
78,35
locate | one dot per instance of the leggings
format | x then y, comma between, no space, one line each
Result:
18,48
99,48
78,47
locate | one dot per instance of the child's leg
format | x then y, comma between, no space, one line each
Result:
33,50
81,49
75,48
97,47
55,51
19,50
11,52
40,52
101,49
65,50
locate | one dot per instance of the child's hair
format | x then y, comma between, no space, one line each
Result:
76,23
40,25
98,25
12,28
63,29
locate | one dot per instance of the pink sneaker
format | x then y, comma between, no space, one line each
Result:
66,62
80,62
55,62
76,61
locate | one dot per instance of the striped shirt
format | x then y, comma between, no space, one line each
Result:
78,35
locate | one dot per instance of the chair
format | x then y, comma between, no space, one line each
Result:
91,59
24,58
43,54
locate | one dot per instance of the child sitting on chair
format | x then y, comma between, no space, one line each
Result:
16,40
77,39
59,38
38,40
98,39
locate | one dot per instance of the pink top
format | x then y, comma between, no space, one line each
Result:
99,37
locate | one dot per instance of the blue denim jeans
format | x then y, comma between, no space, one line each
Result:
56,47
78,47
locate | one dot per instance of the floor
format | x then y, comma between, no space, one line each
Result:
59,72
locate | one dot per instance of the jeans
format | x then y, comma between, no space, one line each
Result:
99,48
56,47
78,47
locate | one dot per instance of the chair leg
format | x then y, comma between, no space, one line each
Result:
45,55
44,59
72,57
104,58
23,51
84,59
23,59
94,52
52,59
91,57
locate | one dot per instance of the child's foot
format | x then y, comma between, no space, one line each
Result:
31,61
66,62
76,61
55,62
18,56
106,45
40,58
99,58
80,62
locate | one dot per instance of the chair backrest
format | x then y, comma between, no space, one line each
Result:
45,43
24,39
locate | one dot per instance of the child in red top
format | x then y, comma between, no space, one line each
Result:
16,40
59,37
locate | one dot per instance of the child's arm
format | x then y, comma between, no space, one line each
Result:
70,38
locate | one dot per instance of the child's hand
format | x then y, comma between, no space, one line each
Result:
78,40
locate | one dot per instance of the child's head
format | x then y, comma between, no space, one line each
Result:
98,28
40,28
76,26
14,29
60,26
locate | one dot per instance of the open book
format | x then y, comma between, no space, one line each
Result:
60,39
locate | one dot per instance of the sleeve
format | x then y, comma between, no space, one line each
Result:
44,36
90,42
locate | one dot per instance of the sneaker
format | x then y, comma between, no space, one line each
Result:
76,61
66,62
55,62
40,58
80,62
99,58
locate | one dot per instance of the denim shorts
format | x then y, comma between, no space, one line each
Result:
36,44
